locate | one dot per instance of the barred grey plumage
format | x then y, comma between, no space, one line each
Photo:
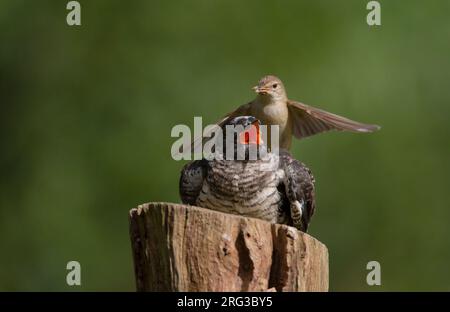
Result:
276,188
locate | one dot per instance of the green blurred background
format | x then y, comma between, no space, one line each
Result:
86,114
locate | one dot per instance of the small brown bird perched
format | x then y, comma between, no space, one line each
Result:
273,187
272,107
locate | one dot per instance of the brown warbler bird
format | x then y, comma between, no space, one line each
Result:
272,107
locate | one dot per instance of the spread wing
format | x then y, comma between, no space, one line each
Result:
298,187
240,111
191,180
308,120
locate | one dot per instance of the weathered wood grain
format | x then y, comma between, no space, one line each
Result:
184,248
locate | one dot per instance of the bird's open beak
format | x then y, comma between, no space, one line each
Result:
251,135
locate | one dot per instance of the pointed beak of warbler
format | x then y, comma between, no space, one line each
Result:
260,90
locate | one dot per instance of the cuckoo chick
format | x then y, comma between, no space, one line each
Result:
273,186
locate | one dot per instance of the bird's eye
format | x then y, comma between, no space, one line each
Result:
274,86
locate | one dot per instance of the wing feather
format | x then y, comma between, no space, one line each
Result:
191,181
308,120
299,185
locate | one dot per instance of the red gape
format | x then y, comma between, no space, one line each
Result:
251,136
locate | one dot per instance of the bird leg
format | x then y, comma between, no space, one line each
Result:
296,214
293,194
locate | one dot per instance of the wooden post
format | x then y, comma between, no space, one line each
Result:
186,248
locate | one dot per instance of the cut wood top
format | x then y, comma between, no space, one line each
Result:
186,248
